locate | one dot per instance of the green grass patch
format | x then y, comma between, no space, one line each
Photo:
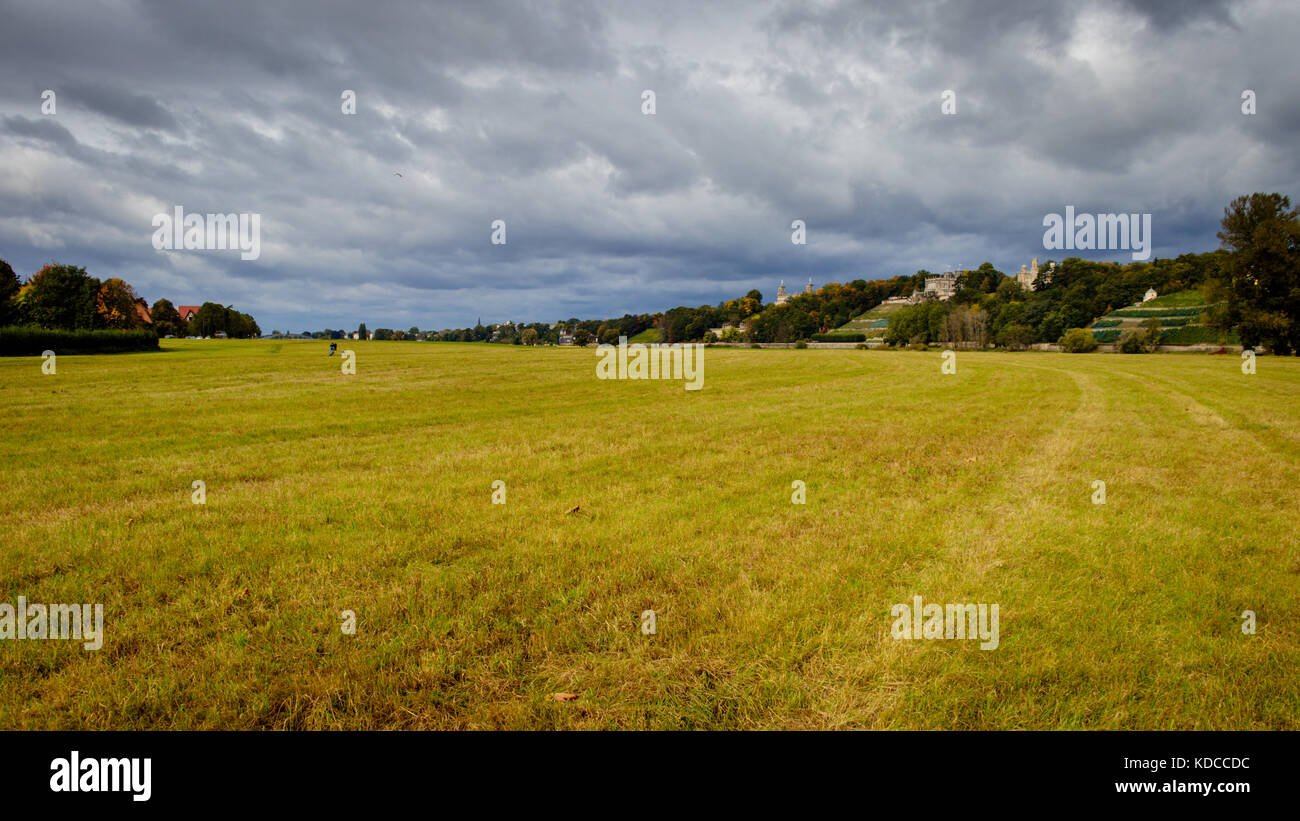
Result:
1178,299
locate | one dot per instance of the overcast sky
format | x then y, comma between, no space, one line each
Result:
531,113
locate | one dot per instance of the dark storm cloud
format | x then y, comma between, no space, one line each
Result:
1168,14
123,106
531,113
41,131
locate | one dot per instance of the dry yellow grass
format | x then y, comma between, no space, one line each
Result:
372,493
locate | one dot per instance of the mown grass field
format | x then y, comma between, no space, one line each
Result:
372,492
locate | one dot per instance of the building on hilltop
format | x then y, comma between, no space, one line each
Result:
941,287
782,297
1027,278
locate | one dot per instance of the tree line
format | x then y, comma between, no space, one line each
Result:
584,331
65,297
1252,284
989,307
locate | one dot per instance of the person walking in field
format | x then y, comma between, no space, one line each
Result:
333,346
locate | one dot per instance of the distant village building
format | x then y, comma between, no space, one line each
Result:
507,327
1150,295
782,297
187,312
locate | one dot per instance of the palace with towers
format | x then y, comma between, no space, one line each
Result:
941,287
782,297
1027,278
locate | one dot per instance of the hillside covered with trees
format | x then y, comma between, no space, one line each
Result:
1253,281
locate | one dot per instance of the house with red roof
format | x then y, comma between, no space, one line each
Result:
187,312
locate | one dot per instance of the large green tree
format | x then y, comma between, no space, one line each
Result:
240,325
9,286
166,319
1261,276
62,296
784,323
213,318
208,320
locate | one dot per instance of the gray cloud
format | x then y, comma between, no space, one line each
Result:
532,114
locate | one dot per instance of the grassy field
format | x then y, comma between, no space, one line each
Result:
372,492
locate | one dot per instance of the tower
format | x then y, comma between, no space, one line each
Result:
781,295
1028,278
808,289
